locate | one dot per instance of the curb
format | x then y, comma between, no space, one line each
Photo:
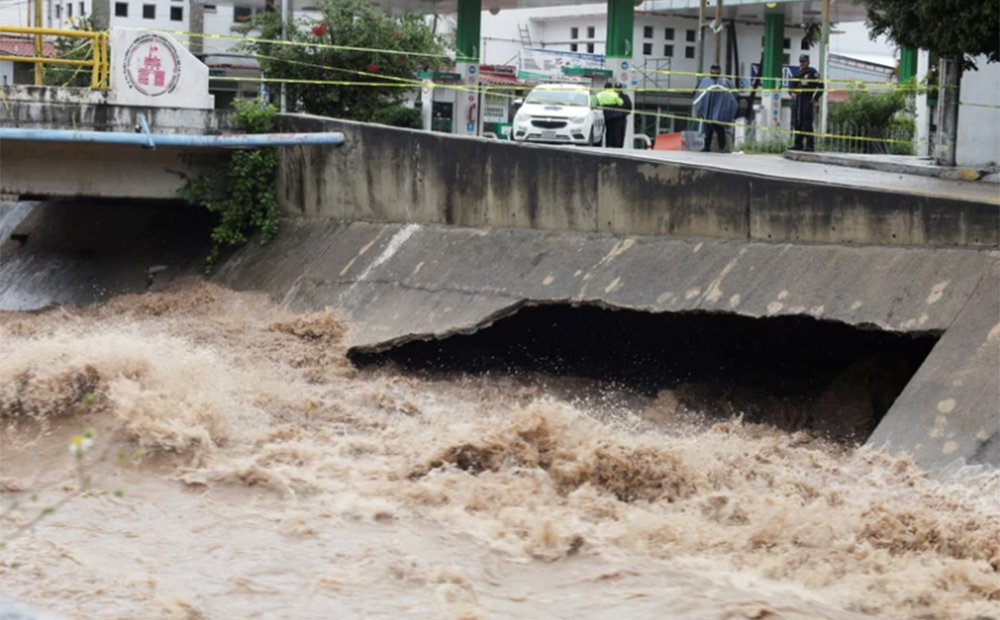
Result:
940,172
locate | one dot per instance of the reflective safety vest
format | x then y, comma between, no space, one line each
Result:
609,98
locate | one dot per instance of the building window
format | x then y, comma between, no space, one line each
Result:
788,44
689,51
149,11
242,13
573,47
69,9
668,34
176,13
805,44
786,59
590,48
58,11
647,49
590,32
692,36
647,32
668,51
574,33
211,8
83,10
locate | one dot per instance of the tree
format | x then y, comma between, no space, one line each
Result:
404,45
959,28
72,48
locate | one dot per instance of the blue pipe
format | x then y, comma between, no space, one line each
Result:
189,141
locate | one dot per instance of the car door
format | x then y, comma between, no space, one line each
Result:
598,116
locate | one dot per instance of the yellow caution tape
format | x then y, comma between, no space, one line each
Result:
229,37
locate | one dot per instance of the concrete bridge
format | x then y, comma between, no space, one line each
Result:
420,236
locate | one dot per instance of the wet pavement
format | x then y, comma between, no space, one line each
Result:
777,167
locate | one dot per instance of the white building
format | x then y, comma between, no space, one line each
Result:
666,53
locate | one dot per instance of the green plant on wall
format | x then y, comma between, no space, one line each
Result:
243,195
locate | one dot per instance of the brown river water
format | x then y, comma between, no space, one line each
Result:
242,468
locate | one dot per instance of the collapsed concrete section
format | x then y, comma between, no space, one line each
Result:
399,282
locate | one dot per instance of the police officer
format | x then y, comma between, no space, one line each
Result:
627,108
807,88
611,103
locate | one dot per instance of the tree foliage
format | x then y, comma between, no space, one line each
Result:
871,110
406,44
948,27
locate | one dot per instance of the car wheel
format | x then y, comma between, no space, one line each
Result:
591,141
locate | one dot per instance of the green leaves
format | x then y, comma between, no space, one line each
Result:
946,27
244,195
389,50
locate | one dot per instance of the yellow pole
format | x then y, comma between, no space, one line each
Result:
38,43
105,61
96,56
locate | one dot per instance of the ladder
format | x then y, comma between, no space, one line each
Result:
525,33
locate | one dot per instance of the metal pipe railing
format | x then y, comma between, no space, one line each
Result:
98,61
148,140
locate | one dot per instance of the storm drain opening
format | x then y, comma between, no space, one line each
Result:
793,372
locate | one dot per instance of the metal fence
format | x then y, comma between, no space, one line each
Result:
838,139
868,140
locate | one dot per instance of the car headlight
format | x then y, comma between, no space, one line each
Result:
578,119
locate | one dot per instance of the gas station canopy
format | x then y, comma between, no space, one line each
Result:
752,11
796,11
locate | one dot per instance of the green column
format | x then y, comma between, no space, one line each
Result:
907,64
621,26
468,29
774,49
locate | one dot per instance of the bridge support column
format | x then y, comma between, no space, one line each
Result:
618,53
467,40
774,50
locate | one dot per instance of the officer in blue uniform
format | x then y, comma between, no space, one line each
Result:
807,88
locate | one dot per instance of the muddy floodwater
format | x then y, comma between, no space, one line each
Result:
241,467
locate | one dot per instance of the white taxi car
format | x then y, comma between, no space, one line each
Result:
560,114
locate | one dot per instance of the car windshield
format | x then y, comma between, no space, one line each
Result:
560,97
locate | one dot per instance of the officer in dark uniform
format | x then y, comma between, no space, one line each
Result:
807,88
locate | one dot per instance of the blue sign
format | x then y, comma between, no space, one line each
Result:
471,127
624,64
472,69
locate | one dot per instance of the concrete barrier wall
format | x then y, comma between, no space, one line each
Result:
48,107
386,174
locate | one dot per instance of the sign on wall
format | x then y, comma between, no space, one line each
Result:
539,65
151,69
495,108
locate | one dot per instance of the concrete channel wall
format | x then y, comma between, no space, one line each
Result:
100,170
386,174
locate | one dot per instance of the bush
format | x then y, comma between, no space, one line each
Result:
871,119
864,109
399,116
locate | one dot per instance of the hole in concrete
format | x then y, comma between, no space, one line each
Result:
797,373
